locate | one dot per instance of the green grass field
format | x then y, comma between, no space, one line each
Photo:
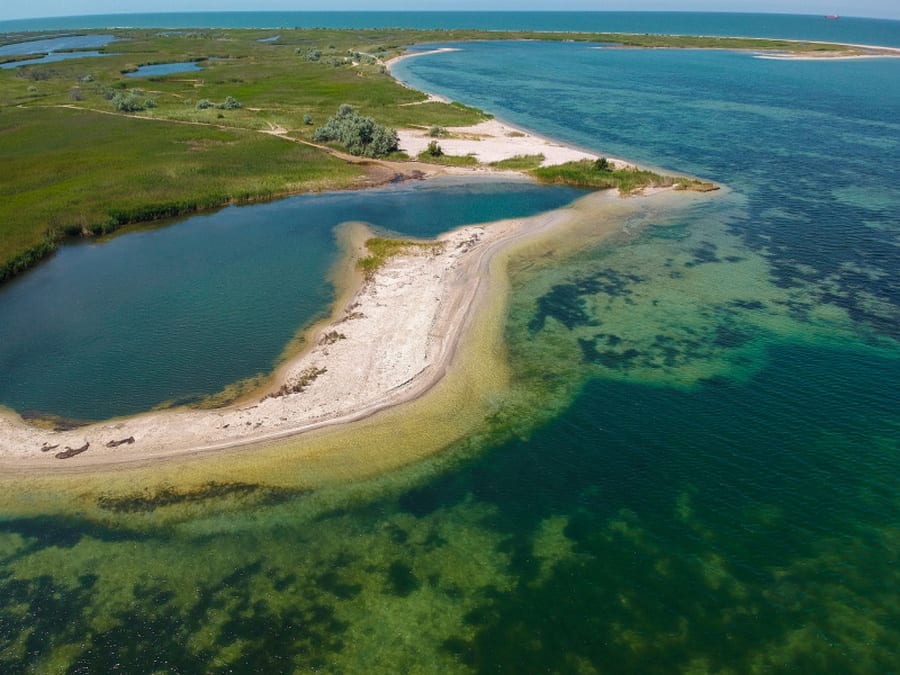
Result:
73,163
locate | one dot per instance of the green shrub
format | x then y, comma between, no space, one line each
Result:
360,135
130,101
307,119
204,103
434,149
230,103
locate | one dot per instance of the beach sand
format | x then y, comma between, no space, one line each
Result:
389,343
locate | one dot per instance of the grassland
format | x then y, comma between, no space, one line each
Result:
73,163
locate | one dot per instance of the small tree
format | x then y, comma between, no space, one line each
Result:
602,164
307,119
437,132
434,149
204,103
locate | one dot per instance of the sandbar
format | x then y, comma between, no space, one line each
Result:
389,341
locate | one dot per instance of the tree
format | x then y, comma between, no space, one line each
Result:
434,149
602,164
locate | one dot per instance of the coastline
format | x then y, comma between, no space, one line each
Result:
372,362
448,403
362,363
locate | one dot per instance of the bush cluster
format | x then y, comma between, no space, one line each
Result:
131,101
360,135
230,103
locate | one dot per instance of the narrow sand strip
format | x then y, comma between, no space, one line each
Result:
391,343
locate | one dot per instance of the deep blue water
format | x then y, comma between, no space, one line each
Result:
56,44
847,29
52,46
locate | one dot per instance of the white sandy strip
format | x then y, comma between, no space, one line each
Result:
829,56
409,55
494,141
399,336
490,141
877,52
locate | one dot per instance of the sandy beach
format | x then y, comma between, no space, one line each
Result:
363,360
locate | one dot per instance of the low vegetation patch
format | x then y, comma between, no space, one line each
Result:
433,154
601,175
299,385
519,163
382,249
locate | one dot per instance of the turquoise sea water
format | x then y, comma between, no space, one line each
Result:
697,470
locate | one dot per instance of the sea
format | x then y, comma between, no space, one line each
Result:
696,467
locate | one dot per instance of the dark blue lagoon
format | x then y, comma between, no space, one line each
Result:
174,313
696,467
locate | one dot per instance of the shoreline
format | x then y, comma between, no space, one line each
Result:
376,365
358,363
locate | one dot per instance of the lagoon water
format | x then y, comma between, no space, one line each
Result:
159,69
176,313
697,468
52,47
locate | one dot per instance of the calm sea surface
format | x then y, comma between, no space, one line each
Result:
697,468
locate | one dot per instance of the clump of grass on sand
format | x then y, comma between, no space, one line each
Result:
382,249
602,175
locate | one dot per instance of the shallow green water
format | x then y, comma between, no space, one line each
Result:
697,468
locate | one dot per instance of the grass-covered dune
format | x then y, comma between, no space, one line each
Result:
87,149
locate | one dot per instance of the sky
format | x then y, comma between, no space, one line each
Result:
885,9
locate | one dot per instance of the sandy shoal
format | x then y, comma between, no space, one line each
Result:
389,343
